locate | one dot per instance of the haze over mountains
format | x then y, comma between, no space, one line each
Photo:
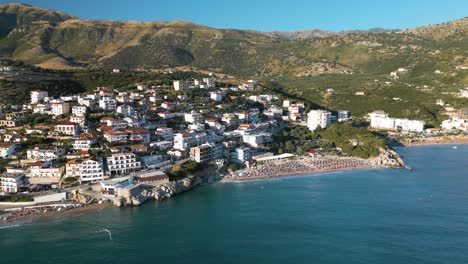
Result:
53,39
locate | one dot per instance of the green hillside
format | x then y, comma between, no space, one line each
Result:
304,64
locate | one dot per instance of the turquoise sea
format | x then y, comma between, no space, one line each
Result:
361,216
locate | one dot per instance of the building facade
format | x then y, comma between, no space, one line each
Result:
318,119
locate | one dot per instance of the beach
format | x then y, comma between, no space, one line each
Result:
303,166
427,141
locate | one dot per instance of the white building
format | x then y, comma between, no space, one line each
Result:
216,96
123,163
181,85
45,154
113,122
46,170
8,149
126,110
183,141
240,155
318,118
91,170
142,87
381,120
59,108
79,110
107,104
80,120
38,96
455,123
73,168
11,182
257,140
113,186
68,128
193,117
440,102
115,136
210,82
83,143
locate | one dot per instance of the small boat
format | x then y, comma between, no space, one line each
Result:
455,147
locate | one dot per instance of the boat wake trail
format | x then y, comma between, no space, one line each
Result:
107,231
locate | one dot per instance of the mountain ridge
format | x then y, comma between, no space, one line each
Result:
56,40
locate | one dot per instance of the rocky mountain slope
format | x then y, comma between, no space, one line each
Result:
51,39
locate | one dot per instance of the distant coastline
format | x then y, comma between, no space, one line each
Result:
430,141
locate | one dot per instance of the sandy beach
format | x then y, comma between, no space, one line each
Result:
446,140
304,166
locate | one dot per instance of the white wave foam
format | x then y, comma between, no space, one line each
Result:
9,226
107,231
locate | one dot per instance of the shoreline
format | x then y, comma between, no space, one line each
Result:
421,144
307,170
294,174
54,215
434,141
300,167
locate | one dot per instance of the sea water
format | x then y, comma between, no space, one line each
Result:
360,216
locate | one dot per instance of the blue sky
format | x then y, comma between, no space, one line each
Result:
268,15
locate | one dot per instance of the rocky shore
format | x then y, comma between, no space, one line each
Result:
140,193
389,158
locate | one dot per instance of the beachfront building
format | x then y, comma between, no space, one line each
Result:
45,172
91,170
318,119
152,178
11,182
73,168
110,187
38,96
240,155
123,163
206,152
381,120
155,161
456,122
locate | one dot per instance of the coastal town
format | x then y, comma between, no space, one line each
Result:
152,142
